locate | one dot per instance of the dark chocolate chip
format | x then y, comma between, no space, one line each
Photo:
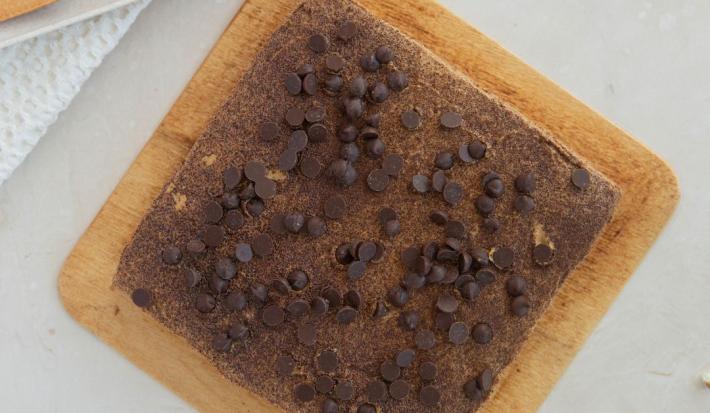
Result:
225,268
230,200
384,54
390,371
280,286
409,256
344,390
455,229
410,119
444,321
495,188
329,406
247,192
471,391
375,148
369,63
580,178
423,265
485,205
450,120
439,217
191,277
263,245
356,270
350,152
392,164
358,87
304,392
429,396
342,254
306,334
520,305
258,294
484,381
236,301
255,207
421,184
347,31
354,108
482,333
333,84
297,279
288,160
436,274
447,303
324,384
453,193
399,389
310,84
294,117
196,248
502,257
334,63
221,343
542,254
409,320
353,299
142,297
525,183
298,139
413,281
516,285
470,290
458,332
439,180
319,306
238,331
285,365
378,180
465,262
327,361
217,284
376,391
464,155
491,225
380,310
315,227
366,408
272,315
444,160
379,92
524,204
293,87
294,222
334,207
477,149
276,224
398,296
366,251
305,69
347,133
405,358
427,371
205,303
172,254
232,176
214,235
463,279
297,307
318,43
333,296
425,339
397,81
243,252
386,214
346,315
254,170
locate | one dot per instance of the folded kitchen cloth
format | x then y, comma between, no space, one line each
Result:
39,77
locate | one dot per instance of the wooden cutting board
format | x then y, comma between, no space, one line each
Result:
650,194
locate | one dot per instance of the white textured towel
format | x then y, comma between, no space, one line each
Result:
39,78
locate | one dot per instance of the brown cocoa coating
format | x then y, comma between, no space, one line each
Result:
571,219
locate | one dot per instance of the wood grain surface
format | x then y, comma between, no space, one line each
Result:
650,194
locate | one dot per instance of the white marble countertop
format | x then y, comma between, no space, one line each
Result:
643,64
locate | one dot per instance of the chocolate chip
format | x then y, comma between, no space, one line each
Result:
516,286
191,277
455,229
232,176
484,381
458,333
450,120
306,334
255,207
366,408
439,217
444,160
272,315
386,214
471,390
297,307
464,155
310,84
410,119
172,254
409,256
258,294
334,63
409,320
350,152
265,188
356,270
217,284
436,274
358,87
195,247
397,81
298,139
214,235
343,172
580,178
423,265
399,389
369,63
315,227
294,222
502,257
413,281
429,396
287,160
238,331
294,117
470,290
205,303
524,204
142,297
463,279
495,188
384,54
329,406
354,108
334,207
427,370
304,392
333,84
439,180
376,391
379,93
447,303
293,87
465,262
375,148
491,225
221,343
280,286
520,306
542,254
247,192
347,31
254,170
453,193
225,268
276,224
262,245
297,279
398,296
347,133
333,296
389,371
318,43
327,361
236,301
425,339
378,180
324,384
353,299
319,306
380,310
405,358
485,205
525,183
305,69
366,251
344,390
447,255
420,183
482,333
368,132
230,200
285,365
477,149
444,321
346,315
